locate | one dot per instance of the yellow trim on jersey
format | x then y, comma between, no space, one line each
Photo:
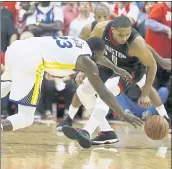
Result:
37,85
39,76
57,65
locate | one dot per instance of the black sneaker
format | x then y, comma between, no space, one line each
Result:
66,122
105,137
82,136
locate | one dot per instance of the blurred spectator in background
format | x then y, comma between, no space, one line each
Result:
26,35
128,101
24,10
8,36
8,31
158,34
70,13
2,55
85,17
124,8
101,13
46,20
143,16
11,6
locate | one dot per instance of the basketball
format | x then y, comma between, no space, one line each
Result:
156,127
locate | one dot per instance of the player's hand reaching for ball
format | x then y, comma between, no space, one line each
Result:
132,119
124,74
144,102
80,77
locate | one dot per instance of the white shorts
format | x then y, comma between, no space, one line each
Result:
26,74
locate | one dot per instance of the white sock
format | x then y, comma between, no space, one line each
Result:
91,125
162,111
105,126
72,111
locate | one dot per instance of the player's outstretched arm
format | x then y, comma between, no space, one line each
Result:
107,63
85,64
139,49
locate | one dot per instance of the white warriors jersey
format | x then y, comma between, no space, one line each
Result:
57,54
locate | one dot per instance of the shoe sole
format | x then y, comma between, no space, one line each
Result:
59,128
112,141
75,135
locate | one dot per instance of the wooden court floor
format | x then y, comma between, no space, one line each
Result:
40,147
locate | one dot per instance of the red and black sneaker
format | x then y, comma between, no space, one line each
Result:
105,137
82,136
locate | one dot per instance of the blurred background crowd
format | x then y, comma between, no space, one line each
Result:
22,20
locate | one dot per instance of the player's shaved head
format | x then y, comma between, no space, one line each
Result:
121,22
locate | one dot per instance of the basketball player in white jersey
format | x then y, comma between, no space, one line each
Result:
59,56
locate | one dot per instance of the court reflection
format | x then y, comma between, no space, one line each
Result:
39,147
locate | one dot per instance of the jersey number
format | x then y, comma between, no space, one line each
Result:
63,42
